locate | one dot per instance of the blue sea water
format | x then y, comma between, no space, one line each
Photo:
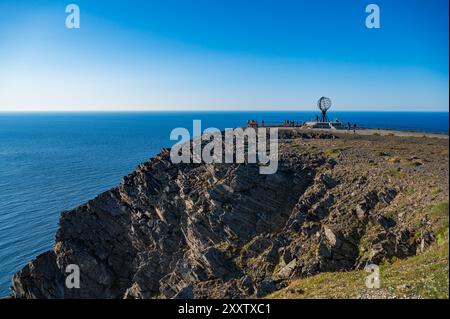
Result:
53,162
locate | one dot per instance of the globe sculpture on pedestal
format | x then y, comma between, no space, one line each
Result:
324,105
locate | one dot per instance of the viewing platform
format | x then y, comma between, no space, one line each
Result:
336,125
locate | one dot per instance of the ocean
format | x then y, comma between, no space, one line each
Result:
51,162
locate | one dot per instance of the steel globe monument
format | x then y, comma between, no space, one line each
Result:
324,104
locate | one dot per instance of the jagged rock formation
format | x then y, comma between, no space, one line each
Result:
224,230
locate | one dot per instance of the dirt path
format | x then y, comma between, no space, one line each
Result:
374,132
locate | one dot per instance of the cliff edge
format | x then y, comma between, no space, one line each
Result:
169,230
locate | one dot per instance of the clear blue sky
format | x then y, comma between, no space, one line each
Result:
223,54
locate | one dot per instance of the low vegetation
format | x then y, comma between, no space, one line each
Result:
439,217
334,152
379,153
422,276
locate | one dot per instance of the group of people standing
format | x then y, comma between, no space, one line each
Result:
288,123
349,127
253,123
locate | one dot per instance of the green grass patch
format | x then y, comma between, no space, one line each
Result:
436,191
440,210
422,276
379,153
395,172
439,219
390,214
334,152
442,236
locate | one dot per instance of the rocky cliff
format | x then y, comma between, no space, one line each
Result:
224,230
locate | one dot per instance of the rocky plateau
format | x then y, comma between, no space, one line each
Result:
336,203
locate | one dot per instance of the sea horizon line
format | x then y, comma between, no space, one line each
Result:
209,111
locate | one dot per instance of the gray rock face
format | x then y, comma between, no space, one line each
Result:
36,280
203,230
